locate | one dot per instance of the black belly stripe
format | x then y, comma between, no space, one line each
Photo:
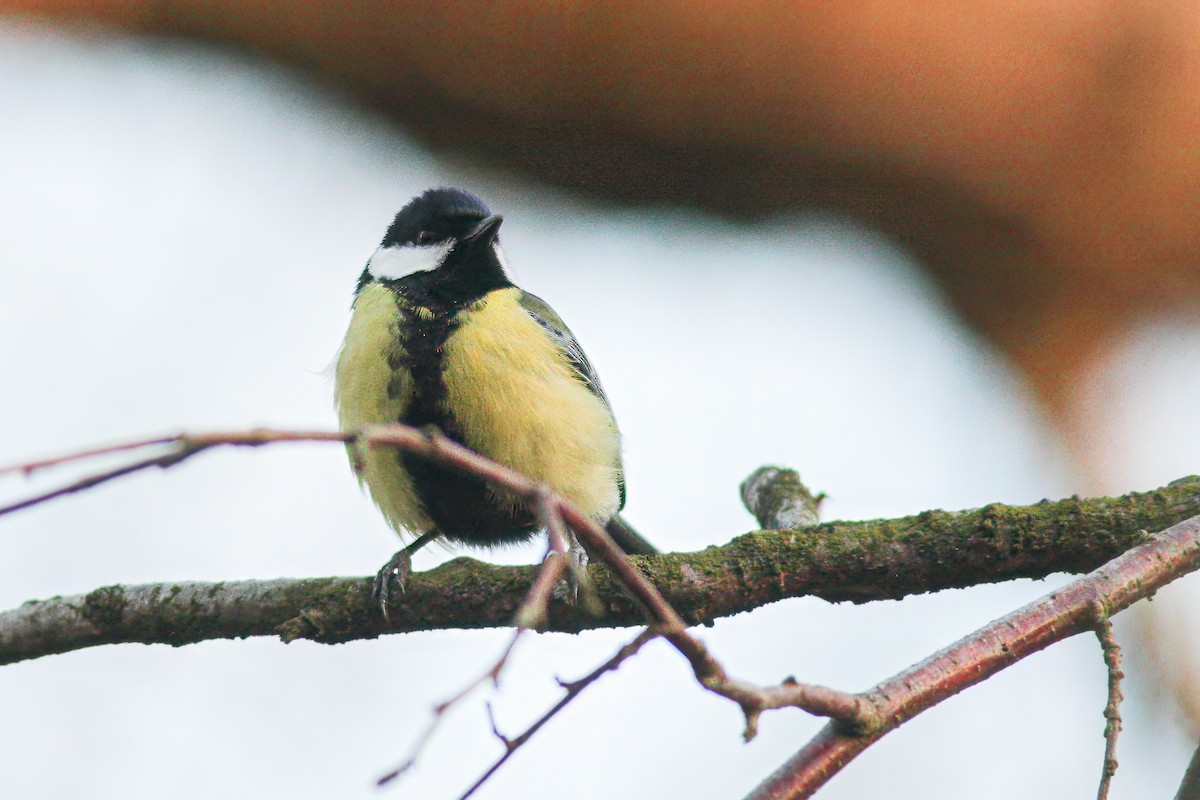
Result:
460,506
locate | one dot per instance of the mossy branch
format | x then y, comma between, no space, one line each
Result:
855,561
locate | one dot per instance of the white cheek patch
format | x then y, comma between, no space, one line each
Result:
503,261
392,263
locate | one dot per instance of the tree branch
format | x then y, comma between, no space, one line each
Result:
572,690
441,709
1077,608
1112,709
857,561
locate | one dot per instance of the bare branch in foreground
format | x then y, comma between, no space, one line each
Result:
531,611
30,467
753,700
892,556
1112,713
1076,608
553,508
573,689
441,709
90,481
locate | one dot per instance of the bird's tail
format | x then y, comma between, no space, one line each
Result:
628,539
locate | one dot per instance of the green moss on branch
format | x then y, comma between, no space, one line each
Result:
838,561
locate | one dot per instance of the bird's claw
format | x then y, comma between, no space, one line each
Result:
397,569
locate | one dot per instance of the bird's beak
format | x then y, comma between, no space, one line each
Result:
485,232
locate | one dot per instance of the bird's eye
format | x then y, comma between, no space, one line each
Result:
425,237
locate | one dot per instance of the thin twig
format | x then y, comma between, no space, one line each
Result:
530,614
573,689
534,610
753,700
441,709
163,461
29,467
183,445
491,715
1112,713
820,701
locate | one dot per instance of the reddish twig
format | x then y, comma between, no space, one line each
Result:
530,615
533,612
30,467
819,700
573,689
90,481
1112,713
1076,608
184,447
442,708
430,444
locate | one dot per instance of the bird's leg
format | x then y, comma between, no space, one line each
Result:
578,589
577,553
398,568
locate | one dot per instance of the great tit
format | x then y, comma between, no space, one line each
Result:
440,336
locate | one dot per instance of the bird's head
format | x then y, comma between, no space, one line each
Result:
445,233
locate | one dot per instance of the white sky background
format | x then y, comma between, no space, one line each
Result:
182,235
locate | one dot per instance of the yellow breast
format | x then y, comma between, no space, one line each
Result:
509,391
373,387
517,400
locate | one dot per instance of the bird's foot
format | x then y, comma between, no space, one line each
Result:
575,586
574,577
577,561
397,569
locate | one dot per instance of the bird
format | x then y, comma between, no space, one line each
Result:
440,336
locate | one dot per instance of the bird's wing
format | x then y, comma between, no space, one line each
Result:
561,335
